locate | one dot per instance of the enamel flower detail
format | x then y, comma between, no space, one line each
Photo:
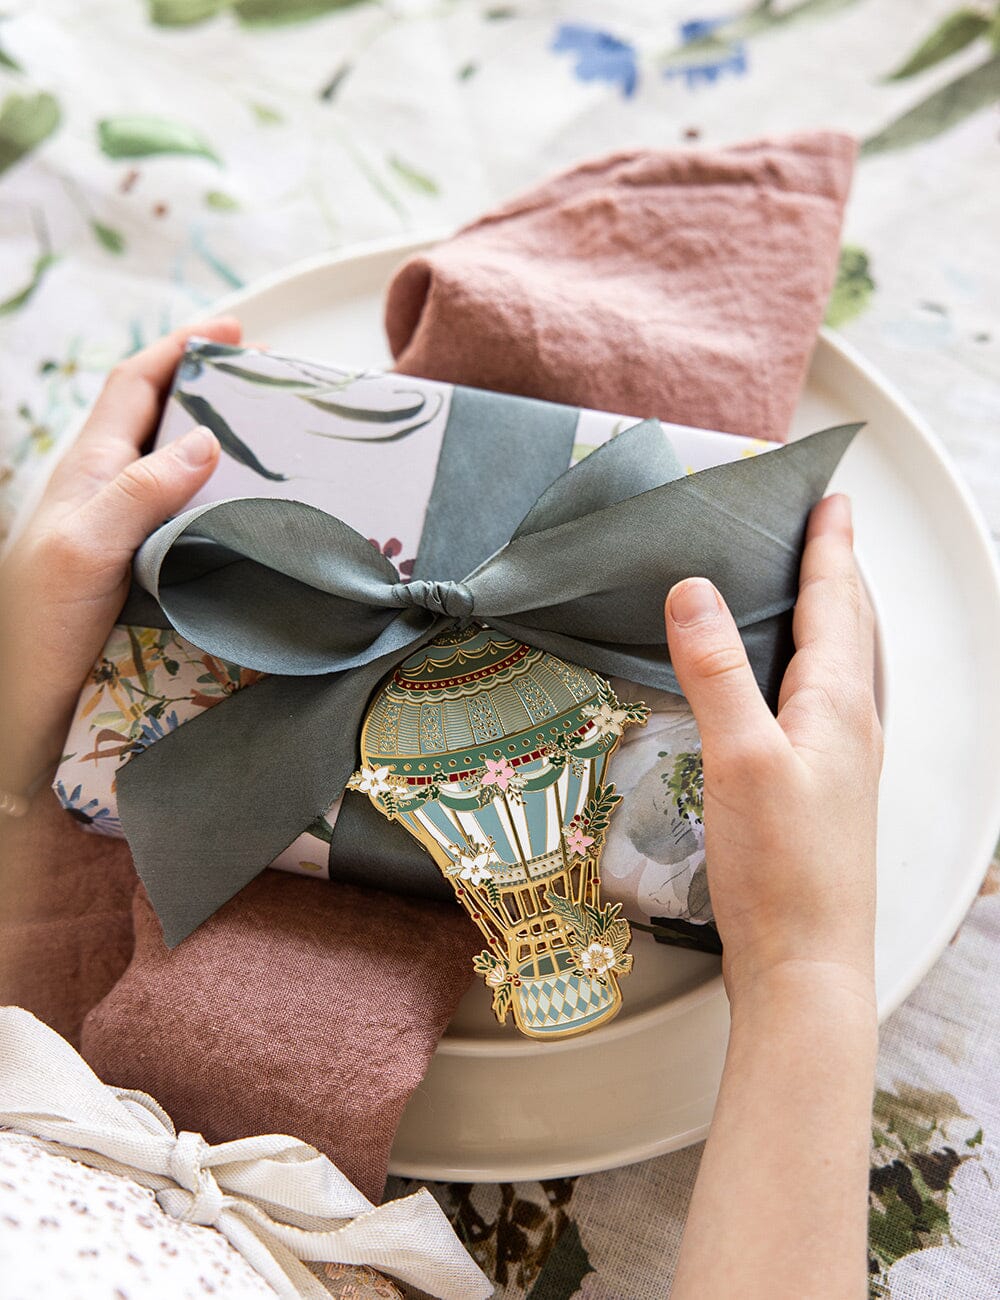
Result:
607,720
597,959
577,842
371,781
474,867
499,772
497,976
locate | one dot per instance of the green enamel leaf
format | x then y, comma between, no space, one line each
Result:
940,111
109,238
953,34
7,62
19,299
416,180
184,13
484,961
203,412
25,121
220,201
501,1002
599,807
273,13
853,287
139,135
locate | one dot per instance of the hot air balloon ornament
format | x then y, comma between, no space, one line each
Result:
494,755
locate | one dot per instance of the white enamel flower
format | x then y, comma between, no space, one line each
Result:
474,867
371,781
597,959
607,721
496,976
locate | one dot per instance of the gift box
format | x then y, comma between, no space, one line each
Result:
374,449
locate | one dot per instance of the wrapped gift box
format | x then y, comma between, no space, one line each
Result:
366,447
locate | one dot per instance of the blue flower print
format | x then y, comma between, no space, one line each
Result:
599,56
154,729
706,52
91,815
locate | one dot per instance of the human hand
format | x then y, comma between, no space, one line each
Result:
65,579
790,801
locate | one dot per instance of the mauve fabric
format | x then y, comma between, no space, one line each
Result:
65,915
297,1008
686,285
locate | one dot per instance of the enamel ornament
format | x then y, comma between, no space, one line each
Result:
494,756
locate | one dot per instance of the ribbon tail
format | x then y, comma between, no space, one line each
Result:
213,803
635,460
591,588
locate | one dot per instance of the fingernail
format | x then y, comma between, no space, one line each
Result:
842,508
217,320
693,601
197,447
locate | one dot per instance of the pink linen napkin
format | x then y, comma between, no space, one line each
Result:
686,285
297,1008
65,915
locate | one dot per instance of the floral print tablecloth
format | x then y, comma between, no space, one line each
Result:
156,153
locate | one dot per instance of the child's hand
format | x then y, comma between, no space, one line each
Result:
790,802
65,580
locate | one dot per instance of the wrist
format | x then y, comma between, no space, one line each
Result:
806,988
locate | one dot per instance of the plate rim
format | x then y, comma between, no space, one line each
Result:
830,350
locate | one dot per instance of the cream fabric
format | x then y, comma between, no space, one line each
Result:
275,1199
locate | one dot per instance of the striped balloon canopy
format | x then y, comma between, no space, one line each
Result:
493,754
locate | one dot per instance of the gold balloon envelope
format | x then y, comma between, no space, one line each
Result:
493,755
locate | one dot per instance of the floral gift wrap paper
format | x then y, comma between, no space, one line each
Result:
366,447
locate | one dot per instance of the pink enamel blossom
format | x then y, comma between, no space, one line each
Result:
499,772
577,842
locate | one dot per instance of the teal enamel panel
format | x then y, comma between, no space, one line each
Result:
493,828
439,819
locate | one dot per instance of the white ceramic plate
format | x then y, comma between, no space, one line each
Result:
494,1106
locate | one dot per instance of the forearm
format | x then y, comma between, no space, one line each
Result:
37,691
780,1205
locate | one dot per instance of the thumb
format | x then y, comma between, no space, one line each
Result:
151,489
712,667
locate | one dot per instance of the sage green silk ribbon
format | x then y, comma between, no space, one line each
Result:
288,590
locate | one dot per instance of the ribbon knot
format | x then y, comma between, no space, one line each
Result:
204,1200
291,591
446,599
276,1200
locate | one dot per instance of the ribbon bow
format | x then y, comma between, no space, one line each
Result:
289,590
275,1199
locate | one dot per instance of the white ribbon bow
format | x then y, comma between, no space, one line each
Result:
275,1199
